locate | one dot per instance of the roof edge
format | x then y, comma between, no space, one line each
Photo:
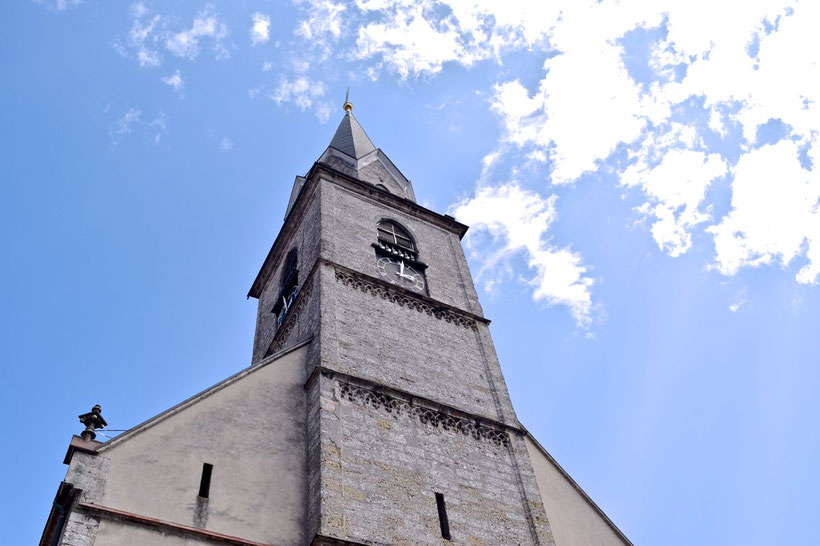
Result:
578,488
148,423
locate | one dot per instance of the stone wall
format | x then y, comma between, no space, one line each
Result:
380,459
375,331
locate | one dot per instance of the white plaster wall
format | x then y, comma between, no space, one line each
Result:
252,431
574,521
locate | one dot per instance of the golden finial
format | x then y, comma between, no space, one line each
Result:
348,106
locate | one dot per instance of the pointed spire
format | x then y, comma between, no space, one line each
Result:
350,138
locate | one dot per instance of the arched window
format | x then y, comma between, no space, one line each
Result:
394,239
288,287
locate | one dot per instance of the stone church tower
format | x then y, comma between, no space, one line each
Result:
374,410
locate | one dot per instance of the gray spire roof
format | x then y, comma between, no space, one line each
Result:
351,139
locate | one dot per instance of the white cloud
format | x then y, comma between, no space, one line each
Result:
590,102
123,126
304,93
157,127
412,44
518,222
741,300
143,40
150,36
59,5
775,213
675,207
206,25
131,120
323,112
419,38
323,23
226,144
260,28
176,82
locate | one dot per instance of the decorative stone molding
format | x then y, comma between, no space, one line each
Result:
283,332
427,416
393,295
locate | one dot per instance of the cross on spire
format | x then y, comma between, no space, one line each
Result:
348,106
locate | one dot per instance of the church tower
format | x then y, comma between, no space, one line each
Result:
374,410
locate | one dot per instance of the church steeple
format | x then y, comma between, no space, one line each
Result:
352,153
350,138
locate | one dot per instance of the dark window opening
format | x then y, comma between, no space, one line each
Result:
289,272
442,516
205,481
382,187
289,287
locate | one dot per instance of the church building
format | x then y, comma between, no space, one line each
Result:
374,410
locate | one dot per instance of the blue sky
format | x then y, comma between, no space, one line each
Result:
639,177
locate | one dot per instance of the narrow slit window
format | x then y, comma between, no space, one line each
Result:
205,481
442,516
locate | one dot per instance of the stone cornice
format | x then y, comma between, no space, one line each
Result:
376,287
405,298
429,412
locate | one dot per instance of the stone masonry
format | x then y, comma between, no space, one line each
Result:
405,395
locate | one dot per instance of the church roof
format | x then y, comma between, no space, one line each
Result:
351,139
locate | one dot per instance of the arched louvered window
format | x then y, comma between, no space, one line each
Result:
395,239
289,286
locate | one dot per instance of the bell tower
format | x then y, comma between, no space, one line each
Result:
411,435
374,410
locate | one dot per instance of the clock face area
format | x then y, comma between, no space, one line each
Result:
397,271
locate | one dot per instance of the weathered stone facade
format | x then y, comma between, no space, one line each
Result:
375,459
381,457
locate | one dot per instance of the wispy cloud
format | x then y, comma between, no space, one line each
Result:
226,144
59,5
518,222
151,35
741,300
304,93
206,25
123,126
260,28
323,23
143,40
176,83
131,120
